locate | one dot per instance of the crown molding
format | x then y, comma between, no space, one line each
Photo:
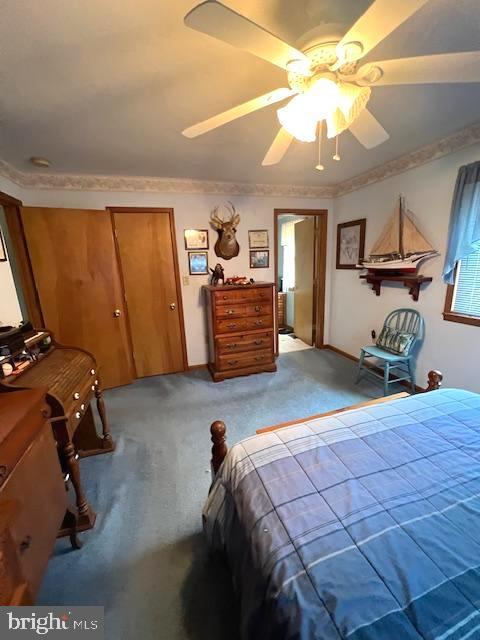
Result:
454,142
38,180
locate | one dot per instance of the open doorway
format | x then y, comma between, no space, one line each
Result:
300,264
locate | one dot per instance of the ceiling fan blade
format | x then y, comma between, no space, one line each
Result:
221,22
368,131
237,112
443,67
278,148
378,21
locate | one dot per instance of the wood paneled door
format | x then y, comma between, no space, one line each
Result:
147,251
304,279
75,267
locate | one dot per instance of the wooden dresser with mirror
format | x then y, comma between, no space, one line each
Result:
241,322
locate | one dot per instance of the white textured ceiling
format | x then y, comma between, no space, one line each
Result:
106,87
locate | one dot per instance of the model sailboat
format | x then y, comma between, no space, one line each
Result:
401,247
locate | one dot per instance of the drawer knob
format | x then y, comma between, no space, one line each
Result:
232,325
232,362
258,358
78,415
225,297
232,345
258,341
258,322
92,371
258,307
230,312
25,544
76,395
93,387
3,472
82,407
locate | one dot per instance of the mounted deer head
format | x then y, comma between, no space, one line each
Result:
226,246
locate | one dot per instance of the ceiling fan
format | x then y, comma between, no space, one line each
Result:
326,83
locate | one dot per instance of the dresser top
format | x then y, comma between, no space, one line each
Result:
231,287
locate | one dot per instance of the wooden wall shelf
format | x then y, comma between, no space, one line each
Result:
413,282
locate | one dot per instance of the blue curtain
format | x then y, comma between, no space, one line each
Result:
464,229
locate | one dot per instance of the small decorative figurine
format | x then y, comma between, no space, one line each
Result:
217,275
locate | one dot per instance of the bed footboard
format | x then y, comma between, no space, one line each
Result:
218,430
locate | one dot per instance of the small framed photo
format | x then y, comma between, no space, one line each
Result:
3,252
259,259
258,239
198,263
350,243
195,238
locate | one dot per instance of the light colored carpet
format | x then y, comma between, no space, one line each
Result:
146,560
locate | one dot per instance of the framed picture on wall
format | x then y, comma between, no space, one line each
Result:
258,239
3,252
196,238
350,243
259,259
198,263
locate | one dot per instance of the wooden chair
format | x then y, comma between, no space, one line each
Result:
404,320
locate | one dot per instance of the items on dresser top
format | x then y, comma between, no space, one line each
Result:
240,329
71,379
33,498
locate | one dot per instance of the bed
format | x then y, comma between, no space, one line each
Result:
359,524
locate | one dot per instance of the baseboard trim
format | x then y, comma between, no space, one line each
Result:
345,354
197,367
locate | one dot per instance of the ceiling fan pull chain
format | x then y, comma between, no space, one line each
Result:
320,166
337,155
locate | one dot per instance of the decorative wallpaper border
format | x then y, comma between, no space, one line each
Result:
39,180
458,140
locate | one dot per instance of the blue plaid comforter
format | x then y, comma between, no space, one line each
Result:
361,525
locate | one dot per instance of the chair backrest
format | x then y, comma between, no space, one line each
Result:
408,320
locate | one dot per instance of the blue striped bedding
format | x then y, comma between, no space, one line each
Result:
363,525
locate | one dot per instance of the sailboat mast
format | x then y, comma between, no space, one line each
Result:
400,229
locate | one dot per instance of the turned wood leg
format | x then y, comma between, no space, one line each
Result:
107,436
74,471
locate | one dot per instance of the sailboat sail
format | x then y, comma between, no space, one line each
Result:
401,246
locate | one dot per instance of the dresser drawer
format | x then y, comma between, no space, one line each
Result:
249,342
258,309
243,360
231,311
262,322
231,325
239,296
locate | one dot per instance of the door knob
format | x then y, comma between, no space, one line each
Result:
117,313
173,306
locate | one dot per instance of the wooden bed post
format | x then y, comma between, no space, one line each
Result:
219,448
434,380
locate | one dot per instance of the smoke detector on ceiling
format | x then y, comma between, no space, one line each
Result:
38,161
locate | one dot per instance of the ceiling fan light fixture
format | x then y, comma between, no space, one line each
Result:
298,118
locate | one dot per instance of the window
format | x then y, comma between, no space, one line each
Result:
463,298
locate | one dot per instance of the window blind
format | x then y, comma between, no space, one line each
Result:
466,296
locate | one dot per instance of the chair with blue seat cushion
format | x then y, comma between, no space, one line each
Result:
394,348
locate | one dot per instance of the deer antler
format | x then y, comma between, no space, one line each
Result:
234,217
215,219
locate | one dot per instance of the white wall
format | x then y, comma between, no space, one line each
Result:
10,313
355,310
193,211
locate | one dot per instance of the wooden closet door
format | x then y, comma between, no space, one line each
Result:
146,245
76,272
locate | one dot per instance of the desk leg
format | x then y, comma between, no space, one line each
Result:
85,515
107,436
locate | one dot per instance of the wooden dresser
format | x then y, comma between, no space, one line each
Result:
281,309
33,497
241,325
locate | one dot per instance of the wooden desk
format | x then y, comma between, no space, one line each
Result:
33,496
71,378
